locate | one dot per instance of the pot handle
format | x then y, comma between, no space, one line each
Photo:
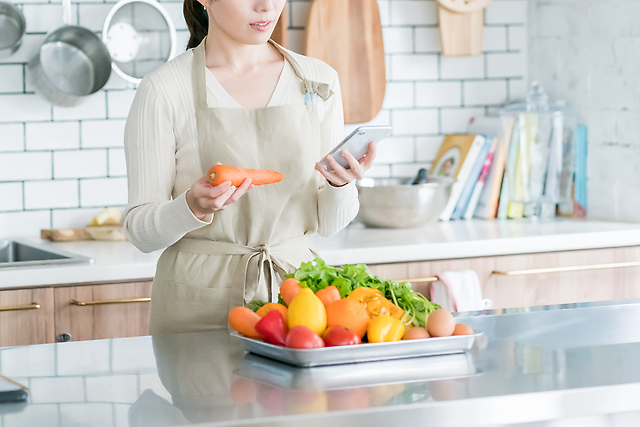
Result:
66,12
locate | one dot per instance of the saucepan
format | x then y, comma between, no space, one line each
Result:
72,63
396,203
12,28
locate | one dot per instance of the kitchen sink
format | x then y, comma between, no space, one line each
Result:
21,254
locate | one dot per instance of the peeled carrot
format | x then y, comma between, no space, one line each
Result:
243,321
289,289
328,295
222,173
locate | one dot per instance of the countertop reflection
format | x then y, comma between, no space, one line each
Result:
584,356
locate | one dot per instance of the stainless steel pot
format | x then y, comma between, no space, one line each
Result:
12,28
72,63
395,203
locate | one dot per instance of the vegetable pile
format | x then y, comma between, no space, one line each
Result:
317,275
324,306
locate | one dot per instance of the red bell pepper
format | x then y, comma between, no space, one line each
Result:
272,328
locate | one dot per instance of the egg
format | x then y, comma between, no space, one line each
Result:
462,329
440,323
415,333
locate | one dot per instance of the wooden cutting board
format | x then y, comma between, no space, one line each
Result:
347,34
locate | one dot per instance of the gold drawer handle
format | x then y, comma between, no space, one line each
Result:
107,302
420,280
32,306
567,269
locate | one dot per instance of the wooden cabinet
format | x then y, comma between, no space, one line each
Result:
102,311
26,317
537,287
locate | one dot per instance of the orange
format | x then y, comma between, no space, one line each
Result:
262,311
350,314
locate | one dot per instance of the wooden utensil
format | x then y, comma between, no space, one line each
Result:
347,34
280,34
461,26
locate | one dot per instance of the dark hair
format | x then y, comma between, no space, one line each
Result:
197,21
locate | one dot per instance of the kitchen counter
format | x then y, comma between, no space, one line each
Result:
121,261
532,365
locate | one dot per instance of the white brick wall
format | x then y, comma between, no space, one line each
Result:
588,53
59,166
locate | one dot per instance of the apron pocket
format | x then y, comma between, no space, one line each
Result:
196,308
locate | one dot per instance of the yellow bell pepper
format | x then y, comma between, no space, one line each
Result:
307,309
375,303
385,328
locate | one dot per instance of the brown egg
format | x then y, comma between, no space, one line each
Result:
462,329
415,333
440,323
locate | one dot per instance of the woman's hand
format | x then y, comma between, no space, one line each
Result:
204,200
341,176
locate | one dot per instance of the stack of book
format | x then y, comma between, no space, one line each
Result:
495,170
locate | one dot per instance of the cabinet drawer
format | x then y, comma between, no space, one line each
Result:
26,317
525,280
102,311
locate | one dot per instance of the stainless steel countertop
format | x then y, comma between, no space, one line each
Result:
535,364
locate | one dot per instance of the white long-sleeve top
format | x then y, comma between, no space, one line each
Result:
162,155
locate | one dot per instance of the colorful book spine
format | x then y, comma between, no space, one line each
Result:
461,179
505,193
580,146
472,180
477,191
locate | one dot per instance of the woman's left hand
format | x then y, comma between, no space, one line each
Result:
340,176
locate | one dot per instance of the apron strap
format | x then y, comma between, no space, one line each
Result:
198,70
255,264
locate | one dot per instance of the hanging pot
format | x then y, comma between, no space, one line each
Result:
12,27
140,36
72,63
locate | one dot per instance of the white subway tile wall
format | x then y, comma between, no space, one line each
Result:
59,166
588,53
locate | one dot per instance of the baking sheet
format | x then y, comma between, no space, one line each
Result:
362,352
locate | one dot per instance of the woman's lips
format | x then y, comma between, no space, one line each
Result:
261,26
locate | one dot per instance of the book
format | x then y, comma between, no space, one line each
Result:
580,141
505,193
458,153
477,190
488,203
472,180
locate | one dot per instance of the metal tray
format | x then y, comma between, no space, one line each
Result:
361,353
346,376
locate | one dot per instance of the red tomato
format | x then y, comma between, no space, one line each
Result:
337,335
302,337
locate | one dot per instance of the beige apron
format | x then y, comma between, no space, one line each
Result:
243,254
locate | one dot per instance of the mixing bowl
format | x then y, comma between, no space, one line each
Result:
395,203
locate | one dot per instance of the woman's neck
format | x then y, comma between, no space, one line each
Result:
223,51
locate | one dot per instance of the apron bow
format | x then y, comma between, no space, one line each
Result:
260,264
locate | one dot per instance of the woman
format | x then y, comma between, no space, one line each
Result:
234,97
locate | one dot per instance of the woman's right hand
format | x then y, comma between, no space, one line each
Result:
205,200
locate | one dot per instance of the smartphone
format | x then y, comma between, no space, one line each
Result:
356,143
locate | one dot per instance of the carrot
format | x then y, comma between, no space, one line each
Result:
243,321
328,295
221,173
289,289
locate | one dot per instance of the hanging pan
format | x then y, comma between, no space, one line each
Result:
12,27
140,36
72,63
